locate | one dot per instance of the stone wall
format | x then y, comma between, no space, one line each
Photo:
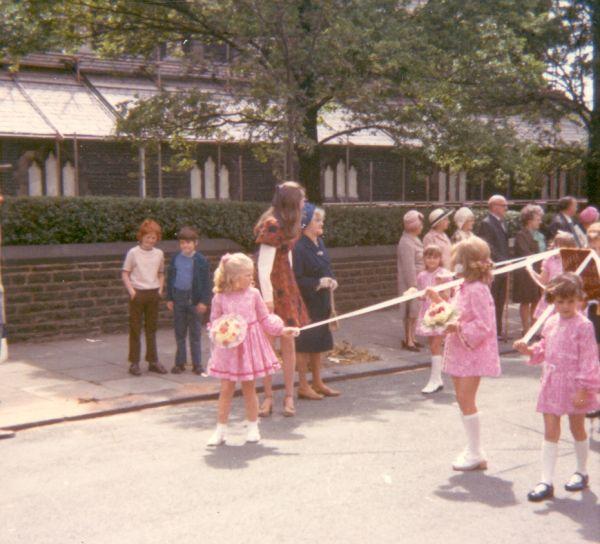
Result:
76,290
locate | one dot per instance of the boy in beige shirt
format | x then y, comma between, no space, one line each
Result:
143,276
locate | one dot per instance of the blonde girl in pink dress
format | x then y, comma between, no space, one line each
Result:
254,357
551,267
432,275
570,380
471,348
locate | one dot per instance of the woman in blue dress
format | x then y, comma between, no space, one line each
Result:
314,276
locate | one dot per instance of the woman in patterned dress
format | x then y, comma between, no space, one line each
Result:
277,231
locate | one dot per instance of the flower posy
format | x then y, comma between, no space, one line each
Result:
228,331
440,315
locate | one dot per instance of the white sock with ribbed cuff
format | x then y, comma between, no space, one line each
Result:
435,375
549,455
472,428
582,448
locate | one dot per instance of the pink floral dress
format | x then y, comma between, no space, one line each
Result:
427,279
254,357
551,267
569,354
473,350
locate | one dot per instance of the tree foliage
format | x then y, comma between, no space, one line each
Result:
449,75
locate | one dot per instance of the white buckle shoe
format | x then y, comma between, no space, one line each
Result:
465,462
432,387
217,438
253,434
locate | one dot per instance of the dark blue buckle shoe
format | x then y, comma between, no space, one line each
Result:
578,482
541,492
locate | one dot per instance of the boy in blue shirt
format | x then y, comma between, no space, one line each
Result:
189,288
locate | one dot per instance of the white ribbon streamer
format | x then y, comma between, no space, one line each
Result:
534,275
512,264
548,311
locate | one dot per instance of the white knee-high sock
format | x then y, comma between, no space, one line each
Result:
436,369
549,455
582,447
472,429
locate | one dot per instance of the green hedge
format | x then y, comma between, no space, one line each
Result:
46,220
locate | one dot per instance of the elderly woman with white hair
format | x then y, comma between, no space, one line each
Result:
464,219
409,263
316,281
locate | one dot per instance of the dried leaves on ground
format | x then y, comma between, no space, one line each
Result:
346,354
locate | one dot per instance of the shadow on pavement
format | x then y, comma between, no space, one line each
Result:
239,457
583,509
400,392
478,487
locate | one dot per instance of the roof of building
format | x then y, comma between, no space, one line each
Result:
57,100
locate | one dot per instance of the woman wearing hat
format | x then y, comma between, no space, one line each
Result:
439,221
588,216
314,276
409,264
464,219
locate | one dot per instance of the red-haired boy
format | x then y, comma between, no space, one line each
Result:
144,278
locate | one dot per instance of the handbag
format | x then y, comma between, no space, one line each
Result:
334,325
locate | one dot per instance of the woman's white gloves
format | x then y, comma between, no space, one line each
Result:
327,283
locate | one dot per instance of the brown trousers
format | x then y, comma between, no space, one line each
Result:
143,307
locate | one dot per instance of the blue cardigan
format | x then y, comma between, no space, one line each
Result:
311,263
201,280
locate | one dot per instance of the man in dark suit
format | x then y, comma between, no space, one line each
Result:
493,230
565,219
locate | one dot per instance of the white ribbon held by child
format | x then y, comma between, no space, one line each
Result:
413,293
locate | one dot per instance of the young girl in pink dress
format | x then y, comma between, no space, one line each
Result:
570,380
471,349
552,267
432,275
254,357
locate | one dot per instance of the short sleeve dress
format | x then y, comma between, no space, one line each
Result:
427,279
287,301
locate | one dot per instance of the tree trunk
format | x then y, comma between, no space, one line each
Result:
309,159
593,163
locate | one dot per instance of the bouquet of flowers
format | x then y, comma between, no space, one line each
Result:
439,315
228,331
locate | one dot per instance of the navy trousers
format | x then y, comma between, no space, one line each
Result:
188,323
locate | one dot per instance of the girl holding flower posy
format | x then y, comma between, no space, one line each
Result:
570,381
432,275
471,349
241,351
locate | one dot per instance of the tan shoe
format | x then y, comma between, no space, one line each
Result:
327,391
266,408
288,407
309,394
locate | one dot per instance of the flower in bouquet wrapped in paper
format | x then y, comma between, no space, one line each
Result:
439,316
228,331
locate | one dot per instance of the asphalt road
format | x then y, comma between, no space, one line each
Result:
372,466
